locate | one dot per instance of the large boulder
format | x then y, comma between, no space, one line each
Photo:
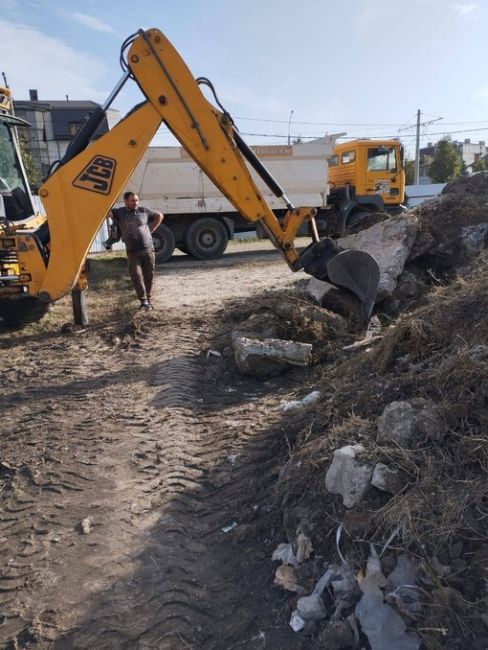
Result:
269,357
389,242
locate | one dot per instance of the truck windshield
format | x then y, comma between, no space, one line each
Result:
13,186
382,159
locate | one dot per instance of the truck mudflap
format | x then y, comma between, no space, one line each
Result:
355,271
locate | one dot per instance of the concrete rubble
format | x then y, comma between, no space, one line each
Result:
269,357
390,243
408,423
347,476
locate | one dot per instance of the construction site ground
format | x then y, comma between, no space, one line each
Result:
124,458
145,482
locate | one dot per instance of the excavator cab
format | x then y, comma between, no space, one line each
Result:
15,197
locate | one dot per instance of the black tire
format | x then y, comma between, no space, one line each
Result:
21,311
206,239
164,243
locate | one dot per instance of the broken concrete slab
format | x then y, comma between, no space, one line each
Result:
390,243
269,357
347,476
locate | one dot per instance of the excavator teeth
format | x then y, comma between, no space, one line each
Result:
353,270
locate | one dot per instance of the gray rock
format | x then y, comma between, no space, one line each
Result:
311,608
348,477
269,357
475,237
409,423
390,243
386,479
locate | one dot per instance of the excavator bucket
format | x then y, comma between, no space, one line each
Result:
353,270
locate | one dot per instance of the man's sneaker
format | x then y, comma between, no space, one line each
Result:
150,306
145,305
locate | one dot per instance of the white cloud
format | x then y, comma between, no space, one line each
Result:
53,67
466,9
93,23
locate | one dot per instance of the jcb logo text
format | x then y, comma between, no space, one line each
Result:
97,175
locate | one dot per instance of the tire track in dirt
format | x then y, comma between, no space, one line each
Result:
161,461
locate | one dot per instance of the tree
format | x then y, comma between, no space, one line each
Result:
446,163
478,165
409,172
30,166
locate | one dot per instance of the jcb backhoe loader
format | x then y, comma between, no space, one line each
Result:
41,257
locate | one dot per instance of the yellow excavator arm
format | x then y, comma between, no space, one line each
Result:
81,190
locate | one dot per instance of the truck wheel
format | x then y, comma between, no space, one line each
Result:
206,239
164,243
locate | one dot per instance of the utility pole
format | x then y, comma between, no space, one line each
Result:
289,125
416,169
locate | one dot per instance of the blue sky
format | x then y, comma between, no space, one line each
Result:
361,66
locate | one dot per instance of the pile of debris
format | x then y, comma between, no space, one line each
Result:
386,480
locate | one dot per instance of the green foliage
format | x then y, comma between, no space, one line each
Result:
409,172
30,167
5,158
446,163
479,165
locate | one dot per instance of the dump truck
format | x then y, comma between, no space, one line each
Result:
343,182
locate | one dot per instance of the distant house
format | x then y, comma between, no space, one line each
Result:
53,125
470,152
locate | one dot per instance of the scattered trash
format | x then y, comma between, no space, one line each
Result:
286,578
213,353
296,622
295,405
383,626
304,548
86,524
284,553
311,608
229,527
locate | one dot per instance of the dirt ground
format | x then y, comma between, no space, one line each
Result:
125,456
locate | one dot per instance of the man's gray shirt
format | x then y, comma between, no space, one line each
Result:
134,227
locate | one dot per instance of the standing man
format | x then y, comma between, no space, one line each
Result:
136,224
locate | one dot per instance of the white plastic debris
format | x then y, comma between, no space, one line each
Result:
311,608
296,622
284,553
383,626
213,353
229,527
296,404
